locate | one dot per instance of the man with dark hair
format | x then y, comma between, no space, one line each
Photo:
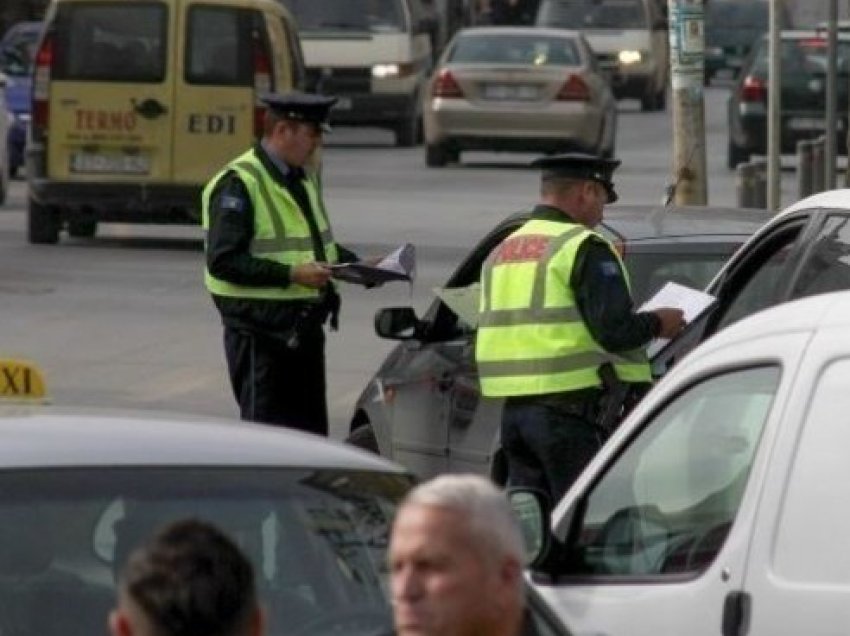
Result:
188,580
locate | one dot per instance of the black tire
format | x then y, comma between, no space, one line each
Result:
736,155
436,155
82,228
408,133
661,99
363,436
42,224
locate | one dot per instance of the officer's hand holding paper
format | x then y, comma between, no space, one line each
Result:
673,296
400,264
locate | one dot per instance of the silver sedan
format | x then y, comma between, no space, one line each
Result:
518,89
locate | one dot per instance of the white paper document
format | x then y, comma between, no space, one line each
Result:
400,264
692,302
462,300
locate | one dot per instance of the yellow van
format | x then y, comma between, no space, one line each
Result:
136,103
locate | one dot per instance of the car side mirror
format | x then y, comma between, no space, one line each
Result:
397,323
532,510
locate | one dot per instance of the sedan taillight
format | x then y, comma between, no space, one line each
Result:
574,89
753,90
446,86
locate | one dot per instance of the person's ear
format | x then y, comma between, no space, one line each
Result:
118,623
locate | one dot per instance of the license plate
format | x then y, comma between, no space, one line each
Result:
343,103
808,123
507,92
91,163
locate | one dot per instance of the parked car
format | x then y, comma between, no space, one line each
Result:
79,488
518,88
423,406
17,50
803,98
719,506
629,38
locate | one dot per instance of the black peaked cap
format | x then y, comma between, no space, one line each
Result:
306,107
577,165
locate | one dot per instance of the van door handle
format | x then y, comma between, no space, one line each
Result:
150,108
736,614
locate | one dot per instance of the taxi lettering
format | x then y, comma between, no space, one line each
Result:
212,124
105,120
20,380
522,248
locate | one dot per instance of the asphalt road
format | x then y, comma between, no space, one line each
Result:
122,320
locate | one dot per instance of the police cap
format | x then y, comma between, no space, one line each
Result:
579,166
297,106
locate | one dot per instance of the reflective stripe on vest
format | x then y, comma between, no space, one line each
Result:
534,342
281,232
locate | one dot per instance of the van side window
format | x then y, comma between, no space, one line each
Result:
665,506
809,545
218,46
111,42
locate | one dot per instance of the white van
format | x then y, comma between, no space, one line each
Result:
720,506
630,40
374,55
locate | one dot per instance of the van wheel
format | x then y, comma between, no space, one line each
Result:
364,437
42,224
436,155
82,228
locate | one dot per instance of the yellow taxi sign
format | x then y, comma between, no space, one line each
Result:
21,380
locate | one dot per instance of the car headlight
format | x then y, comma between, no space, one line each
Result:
630,57
392,70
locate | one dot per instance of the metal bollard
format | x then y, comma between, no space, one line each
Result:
744,184
804,168
759,193
818,164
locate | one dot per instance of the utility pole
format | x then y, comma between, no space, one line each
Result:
774,90
831,97
687,66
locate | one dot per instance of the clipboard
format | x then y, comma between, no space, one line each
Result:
400,264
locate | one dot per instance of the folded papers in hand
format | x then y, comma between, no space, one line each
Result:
400,264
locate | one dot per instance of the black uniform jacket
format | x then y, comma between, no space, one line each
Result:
602,295
231,228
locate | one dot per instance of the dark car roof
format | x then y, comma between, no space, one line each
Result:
647,222
42,436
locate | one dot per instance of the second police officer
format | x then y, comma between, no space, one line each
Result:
555,307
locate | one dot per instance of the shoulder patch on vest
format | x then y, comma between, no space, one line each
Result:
609,269
229,202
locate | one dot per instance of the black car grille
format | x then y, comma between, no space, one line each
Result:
339,81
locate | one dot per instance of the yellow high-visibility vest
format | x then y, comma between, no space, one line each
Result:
531,338
281,232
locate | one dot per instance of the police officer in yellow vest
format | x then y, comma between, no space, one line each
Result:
555,305
268,243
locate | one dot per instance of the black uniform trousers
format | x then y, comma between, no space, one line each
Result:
548,440
277,380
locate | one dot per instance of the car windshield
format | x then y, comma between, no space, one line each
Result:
593,14
347,15
802,58
515,49
18,51
317,539
734,23
649,271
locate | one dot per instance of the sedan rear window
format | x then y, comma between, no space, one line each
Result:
111,42
516,49
317,539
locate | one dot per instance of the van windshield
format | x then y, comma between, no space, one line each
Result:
372,16
593,14
111,42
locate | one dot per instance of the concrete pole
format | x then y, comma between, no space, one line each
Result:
687,62
774,91
831,97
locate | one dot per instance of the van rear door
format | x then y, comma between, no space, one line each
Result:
111,90
225,61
